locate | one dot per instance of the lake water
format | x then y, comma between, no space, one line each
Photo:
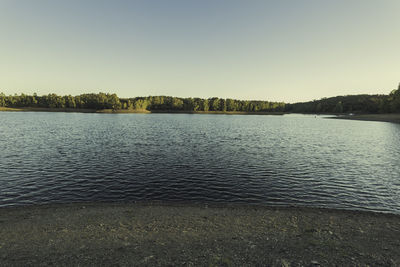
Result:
275,160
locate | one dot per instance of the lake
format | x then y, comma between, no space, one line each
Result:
301,160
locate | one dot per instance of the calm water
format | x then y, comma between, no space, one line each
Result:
278,160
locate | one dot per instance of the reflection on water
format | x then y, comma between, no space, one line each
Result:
279,160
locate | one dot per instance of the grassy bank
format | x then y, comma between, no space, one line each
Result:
160,235
372,117
111,111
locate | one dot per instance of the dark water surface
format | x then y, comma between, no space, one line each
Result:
278,160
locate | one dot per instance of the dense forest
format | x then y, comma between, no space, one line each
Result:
350,104
151,103
339,104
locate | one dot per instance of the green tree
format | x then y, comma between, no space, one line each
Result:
230,105
318,108
197,104
69,101
177,103
394,99
2,100
113,102
214,104
205,105
339,107
188,104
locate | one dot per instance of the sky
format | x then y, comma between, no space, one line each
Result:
282,50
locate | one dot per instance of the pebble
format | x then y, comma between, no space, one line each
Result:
285,263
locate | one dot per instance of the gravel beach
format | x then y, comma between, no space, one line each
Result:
156,234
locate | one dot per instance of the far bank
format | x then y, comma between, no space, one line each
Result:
392,117
128,111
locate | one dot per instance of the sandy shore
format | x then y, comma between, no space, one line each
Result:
189,235
372,117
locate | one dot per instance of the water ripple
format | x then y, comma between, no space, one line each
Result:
285,160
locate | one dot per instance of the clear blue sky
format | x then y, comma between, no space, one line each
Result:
269,50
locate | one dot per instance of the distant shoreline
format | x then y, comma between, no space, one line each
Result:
152,234
392,117
129,111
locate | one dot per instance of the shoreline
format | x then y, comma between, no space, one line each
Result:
215,205
132,111
391,117
158,234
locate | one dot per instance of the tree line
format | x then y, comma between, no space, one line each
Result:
340,104
102,101
350,104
